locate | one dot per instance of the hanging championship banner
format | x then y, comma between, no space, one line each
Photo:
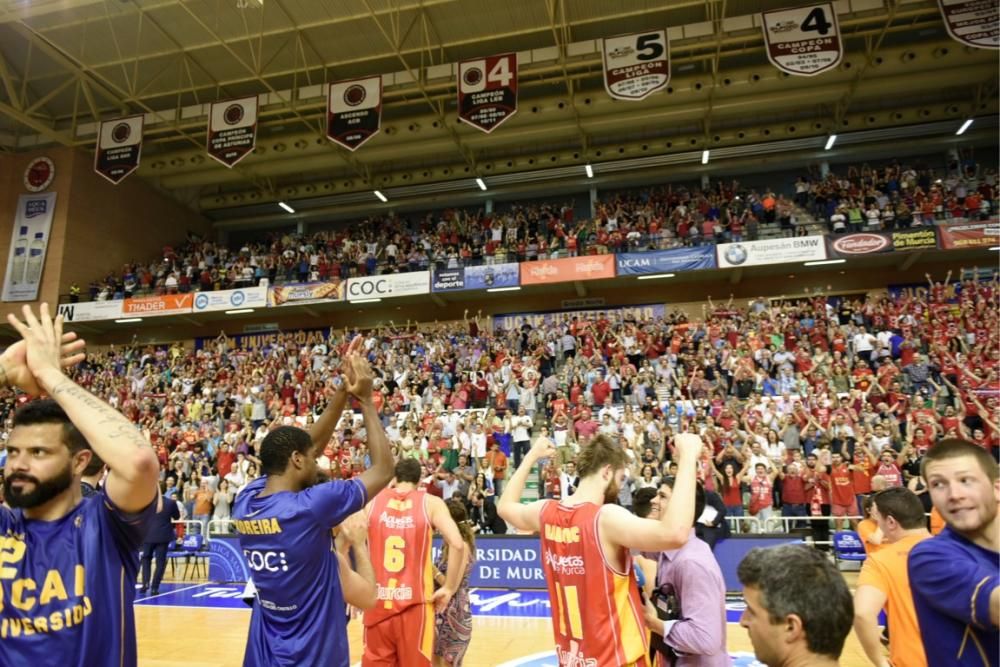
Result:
487,91
232,130
119,146
804,41
354,111
636,66
972,22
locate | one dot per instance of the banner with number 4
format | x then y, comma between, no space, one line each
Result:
804,41
487,91
636,66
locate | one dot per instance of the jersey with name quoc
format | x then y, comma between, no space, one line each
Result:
67,586
285,537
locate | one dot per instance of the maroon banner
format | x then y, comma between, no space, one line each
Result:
232,130
970,235
637,65
804,41
487,91
354,111
972,22
119,147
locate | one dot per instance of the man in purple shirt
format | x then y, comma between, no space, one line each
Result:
695,633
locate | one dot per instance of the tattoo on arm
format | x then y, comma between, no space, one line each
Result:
116,425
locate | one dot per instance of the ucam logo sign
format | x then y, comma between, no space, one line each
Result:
389,285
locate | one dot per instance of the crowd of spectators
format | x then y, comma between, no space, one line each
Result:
801,402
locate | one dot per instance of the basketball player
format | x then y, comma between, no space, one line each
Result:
284,521
67,563
597,617
399,629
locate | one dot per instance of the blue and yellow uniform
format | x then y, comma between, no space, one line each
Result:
67,586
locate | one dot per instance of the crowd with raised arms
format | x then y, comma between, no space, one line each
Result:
655,218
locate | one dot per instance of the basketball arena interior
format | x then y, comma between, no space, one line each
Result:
545,224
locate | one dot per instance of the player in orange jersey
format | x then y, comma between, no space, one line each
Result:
399,629
596,613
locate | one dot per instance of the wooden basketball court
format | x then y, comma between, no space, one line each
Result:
198,636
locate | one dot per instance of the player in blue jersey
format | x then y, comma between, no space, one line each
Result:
67,563
284,523
955,576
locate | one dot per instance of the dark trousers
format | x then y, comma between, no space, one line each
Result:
521,448
150,549
795,509
821,528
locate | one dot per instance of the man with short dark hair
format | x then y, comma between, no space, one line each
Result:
69,562
798,608
883,581
955,576
284,520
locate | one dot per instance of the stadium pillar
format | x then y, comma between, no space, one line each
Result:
824,168
593,202
706,182
300,227
489,205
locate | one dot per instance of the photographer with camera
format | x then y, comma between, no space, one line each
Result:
686,595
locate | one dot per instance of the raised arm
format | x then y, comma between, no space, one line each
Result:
360,588
360,378
323,429
131,484
510,509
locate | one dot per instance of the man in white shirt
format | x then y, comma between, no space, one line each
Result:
864,343
520,435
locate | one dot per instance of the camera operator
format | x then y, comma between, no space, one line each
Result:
686,610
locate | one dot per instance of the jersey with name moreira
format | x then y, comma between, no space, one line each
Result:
286,540
67,586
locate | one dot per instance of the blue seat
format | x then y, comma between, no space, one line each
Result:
848,547
192,550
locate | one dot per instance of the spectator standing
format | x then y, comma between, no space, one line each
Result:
161,535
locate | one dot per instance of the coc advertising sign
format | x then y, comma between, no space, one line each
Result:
388,285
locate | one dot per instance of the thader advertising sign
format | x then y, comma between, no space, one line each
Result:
388,285
773,251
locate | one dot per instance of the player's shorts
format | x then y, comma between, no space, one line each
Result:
405,639
841,510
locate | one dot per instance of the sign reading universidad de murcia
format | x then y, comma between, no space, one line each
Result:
119,147
804,41
637,65
487,91
232,130
354,111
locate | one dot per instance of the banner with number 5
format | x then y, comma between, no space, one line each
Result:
487,91
804,41
636,66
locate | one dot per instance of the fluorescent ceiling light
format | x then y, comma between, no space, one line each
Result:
504,289
824,262
239,311
590,171
656,276
704,157
965,126
365,301
286,207
128,320
382,197
829,142
481,183
996,247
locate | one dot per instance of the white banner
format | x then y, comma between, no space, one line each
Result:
354,111
774,251
230,299
389,285
91,311
28,242
636,66
804,41
119,148
232,130
972,22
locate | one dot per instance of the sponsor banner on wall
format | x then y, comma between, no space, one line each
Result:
261,340
972,22
388,285
166,304
301,294
119,147
511,321
487,91
970,235
488,276
804,41
637,65
29,242
248,297
590,267
91,311
232,129
504,561
354,111
666,261
773,251
448,280
868,243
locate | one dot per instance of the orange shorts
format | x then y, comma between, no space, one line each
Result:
405,639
